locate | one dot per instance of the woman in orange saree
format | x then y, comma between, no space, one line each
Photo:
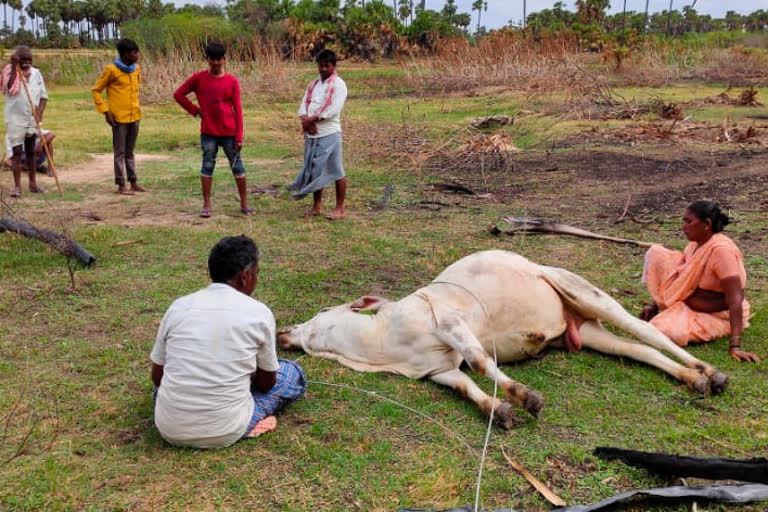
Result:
698,294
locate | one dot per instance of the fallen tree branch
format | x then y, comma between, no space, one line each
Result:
61,243
531,225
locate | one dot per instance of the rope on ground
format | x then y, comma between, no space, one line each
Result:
395,402
488,431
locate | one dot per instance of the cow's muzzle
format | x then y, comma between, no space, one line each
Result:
285,338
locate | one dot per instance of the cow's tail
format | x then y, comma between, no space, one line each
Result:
592,303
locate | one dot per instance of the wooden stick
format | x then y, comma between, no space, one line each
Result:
542,488
39,131
626,209
524,224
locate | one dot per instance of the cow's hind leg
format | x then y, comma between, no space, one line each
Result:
591,302
597,338
454,331
503,413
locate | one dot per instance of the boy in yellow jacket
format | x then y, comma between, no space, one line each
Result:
122,80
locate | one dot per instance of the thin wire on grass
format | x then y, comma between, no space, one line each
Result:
395,402
488,431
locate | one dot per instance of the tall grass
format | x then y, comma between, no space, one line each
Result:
265,72
549,63
260,69
503,59
657,64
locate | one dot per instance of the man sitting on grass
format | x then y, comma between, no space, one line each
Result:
214,361
40,156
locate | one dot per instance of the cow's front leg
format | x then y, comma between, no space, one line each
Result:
503,414
596,337
453,331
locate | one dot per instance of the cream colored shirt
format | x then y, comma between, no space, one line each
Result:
330,115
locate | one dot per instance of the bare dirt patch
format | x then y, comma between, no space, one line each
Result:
104,206
100,168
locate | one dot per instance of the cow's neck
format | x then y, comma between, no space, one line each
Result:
353,335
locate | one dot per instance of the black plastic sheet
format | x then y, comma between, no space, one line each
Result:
748,493
711,468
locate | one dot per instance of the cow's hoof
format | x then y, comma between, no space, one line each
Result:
701,385
718,382
504,416
533,403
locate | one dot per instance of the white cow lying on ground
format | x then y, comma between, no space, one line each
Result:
490,301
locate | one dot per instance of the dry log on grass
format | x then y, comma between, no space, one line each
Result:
61,243
531,225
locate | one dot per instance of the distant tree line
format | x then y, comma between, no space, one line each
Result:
366,28
592,15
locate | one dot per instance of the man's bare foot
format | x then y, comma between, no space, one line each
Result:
122,189
335,215
36,189
137,188
312,213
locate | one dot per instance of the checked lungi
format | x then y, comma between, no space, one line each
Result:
322,165
290,386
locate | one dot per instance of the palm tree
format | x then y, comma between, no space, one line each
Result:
592,11
645,24
669,16
5,13
624,16
525,14
16,5
449,11
479,5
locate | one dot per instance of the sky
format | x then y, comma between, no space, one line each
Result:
501,12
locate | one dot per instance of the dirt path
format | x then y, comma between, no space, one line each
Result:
99,168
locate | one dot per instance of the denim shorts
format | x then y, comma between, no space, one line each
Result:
210,145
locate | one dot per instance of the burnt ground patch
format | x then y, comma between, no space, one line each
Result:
597,183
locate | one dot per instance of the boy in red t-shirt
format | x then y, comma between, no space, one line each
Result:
221,115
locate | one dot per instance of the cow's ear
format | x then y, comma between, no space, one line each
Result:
368,303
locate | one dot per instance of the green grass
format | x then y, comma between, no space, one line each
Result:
75,362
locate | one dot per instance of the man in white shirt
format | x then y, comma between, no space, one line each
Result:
320,113
214,361
21,112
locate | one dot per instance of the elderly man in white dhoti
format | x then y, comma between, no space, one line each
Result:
22,112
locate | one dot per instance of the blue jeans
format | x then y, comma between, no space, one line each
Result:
210,145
